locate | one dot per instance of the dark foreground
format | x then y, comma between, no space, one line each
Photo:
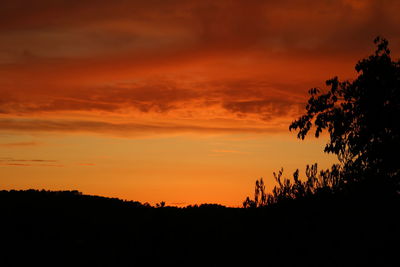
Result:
69,229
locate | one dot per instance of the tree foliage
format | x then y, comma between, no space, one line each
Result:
361,116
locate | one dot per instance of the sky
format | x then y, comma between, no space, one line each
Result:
178,101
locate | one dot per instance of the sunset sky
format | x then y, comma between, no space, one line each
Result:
178,101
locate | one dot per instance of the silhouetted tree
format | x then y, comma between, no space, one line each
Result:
361,116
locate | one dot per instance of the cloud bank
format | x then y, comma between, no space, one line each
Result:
196,66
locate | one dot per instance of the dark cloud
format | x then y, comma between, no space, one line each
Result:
244,58
16,164
29,162
30,165
307,26
26,160
145,98
237,96
122,129
267,109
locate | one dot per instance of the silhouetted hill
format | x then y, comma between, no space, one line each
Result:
70,229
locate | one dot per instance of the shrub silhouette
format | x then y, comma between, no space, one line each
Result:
362,119
316,183
260,196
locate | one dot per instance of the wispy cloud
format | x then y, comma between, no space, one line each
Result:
26,160
6,161
20,144
16,164
123,129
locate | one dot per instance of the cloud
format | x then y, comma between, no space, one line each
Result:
176,61
30,165
196,25
267,109
165,96
4,159
123,129
20,144
16,164
29,162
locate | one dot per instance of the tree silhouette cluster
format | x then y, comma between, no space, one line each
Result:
362,119
362,116
316,184
67,228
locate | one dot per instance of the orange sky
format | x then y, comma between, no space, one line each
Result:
181,101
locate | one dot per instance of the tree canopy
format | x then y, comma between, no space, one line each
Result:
361,116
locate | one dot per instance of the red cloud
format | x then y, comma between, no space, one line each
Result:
123,129
176,60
